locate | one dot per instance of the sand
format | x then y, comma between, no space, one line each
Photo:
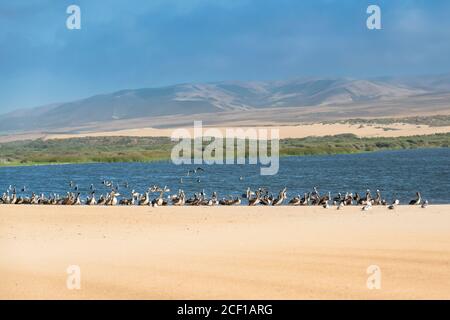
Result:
286,131
224,252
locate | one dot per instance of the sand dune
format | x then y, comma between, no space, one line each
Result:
286,131
224,252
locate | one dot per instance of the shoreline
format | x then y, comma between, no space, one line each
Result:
9,165
224,252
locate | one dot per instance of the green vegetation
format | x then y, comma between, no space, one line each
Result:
349,143
83,150
432,121
134,149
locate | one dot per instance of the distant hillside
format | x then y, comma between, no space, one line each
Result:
188,99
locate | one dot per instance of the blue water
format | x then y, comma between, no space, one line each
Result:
395,173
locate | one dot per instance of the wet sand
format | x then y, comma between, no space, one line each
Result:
224,252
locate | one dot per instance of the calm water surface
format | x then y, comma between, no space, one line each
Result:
395,173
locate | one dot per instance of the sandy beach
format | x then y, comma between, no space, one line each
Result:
285,131
224,252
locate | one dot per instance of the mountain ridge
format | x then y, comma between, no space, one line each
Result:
223,96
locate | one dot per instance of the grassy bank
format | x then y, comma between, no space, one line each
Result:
143,149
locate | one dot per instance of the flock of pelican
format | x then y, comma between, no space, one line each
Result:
160,196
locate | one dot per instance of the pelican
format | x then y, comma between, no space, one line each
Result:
281,196
395,203
254,201
324,200
367,199
144,200
65,201
102,200
112,201
416,201
338,198
213,200
179,200
90,201
295,201
128,202
14,197
248,193
267,200
305,199
77,200
377,201
236,202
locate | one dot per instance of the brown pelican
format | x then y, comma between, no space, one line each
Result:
357,198
267,200
179,200
213,201
295,201
235,202
90,201
77,200
248,194
145,200
338,198
367,199
128,202
65,201
102,200
112,199
281,196
159,201
305,199
324,200
348,199
254,201
14,197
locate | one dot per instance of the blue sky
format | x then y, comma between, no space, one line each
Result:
134,44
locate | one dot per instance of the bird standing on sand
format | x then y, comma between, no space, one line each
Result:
416,201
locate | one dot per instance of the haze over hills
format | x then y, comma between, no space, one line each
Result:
250,98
